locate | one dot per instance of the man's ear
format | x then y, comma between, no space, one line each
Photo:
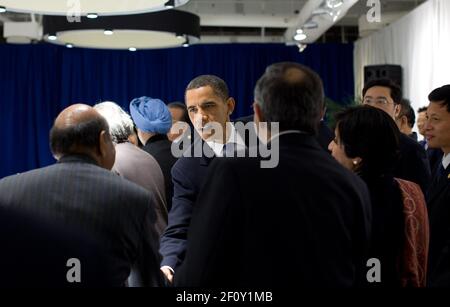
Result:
102,143
230,104
106,151
397,110
258,116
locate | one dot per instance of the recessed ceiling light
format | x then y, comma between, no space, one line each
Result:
132,49
108,32
92,15
300,37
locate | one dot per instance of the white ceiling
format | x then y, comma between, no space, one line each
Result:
263,20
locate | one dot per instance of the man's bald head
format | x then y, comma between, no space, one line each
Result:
80,129
74,115
292,95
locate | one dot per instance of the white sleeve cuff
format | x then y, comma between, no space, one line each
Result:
168,267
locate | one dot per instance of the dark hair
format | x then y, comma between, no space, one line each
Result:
219,86
291,94
85,134
423,109
442,96
372,135
396,91
181,106
408,111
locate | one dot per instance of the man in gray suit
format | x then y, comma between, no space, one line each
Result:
80,192
133,163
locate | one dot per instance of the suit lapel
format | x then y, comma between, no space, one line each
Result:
438,186
205,161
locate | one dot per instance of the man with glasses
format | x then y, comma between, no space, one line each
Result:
413,163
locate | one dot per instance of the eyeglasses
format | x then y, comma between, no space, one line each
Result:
378,101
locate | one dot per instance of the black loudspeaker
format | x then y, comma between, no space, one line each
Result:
392,72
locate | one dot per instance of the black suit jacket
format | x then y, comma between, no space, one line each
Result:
434,155
77,193
256,227
35,253
438,200
413,164
188,175
159,147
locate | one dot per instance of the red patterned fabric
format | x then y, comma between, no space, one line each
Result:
412,263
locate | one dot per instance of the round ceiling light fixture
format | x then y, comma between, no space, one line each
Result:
85,7
164,29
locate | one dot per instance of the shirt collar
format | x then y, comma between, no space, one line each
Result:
286,132
446,161
234,138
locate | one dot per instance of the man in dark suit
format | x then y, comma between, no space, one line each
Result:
437,132
80,191
153,121
208,103
264,227
413,164
36,253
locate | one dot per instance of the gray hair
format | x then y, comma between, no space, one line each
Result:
120,122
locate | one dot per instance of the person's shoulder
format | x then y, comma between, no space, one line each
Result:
126,150
126,186
408,144
190,159
332,172
31,175
242,166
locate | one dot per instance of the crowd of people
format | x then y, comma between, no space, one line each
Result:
365,205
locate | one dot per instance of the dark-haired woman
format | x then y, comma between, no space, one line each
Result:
367,143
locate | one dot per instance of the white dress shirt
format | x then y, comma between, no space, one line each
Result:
234,139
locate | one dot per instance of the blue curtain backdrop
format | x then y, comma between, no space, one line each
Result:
38,81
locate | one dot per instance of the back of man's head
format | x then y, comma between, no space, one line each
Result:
408,112
120,123
292,95
79,129
422,110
